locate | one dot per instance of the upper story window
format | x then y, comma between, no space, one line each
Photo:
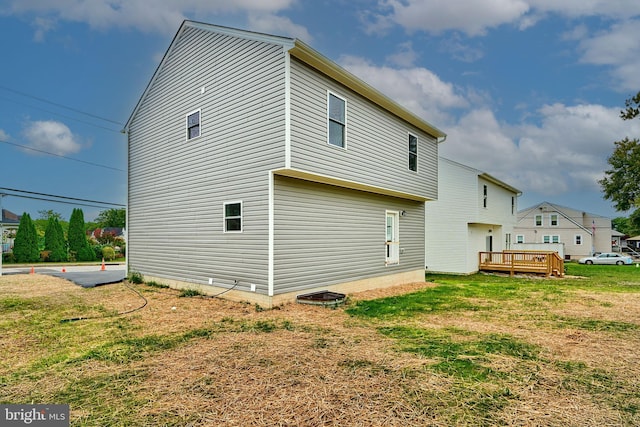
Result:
553,220
513,205
413,153
337,118
538,220
193,125
578,239
519,238
484,195
233,217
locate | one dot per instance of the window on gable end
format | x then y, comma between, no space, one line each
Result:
337,121
553,220
538,221
193,125
413,153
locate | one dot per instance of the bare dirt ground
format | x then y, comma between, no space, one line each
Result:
300,365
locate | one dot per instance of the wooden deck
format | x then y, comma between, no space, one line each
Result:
536,262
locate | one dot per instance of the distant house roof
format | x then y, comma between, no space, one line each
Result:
486,176
9,217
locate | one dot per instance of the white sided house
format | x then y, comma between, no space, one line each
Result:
475,212
289,174
581,233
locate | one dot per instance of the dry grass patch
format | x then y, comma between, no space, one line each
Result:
547,359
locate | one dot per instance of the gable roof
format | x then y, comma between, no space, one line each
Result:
9,217
484,175
561,210
309,56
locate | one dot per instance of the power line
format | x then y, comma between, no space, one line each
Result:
61,115
95,116
54,201
56,196
61,156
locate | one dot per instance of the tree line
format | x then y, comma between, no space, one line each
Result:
72,245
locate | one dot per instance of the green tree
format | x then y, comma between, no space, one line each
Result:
78,243
621,183
25,247
54,241
112,218
46,214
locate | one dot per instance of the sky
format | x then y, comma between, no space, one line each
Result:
528,91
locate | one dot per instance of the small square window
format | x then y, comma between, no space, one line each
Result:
578,239
413,153
233,217
193,125
519,238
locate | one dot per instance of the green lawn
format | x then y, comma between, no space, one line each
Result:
471,350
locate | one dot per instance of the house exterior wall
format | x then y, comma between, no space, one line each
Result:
376,150
326,235
263,118
177,188
570,223
458,224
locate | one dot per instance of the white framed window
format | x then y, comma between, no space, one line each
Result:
519,238
193,125
485,192
551,239
413,153
553,220
232,212
578,239
537,220
336,120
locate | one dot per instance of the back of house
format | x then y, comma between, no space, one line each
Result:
261,169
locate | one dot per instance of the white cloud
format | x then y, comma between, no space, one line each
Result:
404,57
619,48
146,15
565,151
3,135
273,24
417,89
475,17
51,136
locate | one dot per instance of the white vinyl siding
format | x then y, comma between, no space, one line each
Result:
176,190
376,151
326,235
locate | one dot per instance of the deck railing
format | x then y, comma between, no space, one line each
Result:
539,262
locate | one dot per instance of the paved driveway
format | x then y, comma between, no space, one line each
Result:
87,276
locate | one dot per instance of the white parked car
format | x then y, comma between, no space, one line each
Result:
607,258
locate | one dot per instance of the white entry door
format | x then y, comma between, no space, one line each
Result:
393,238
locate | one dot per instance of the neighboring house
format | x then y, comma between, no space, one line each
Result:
288,174
618,241
10,224
581,233
474,212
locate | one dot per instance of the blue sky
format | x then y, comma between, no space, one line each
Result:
529,91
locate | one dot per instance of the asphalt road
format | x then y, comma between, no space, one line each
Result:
87,276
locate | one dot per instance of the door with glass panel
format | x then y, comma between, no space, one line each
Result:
392,244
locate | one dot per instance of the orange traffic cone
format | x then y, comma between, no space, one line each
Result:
32,271
102,268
